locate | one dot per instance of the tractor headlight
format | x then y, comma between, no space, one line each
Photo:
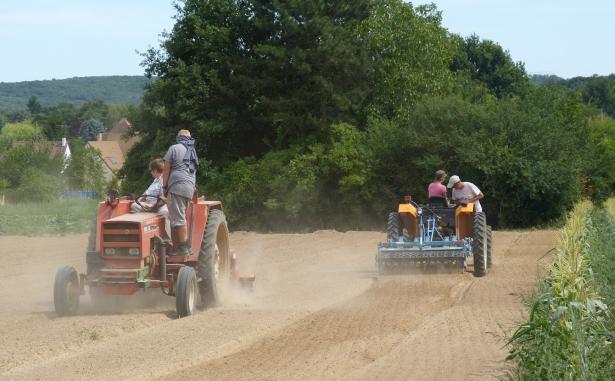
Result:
109,251
134,251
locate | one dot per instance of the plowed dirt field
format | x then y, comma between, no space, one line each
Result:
319,311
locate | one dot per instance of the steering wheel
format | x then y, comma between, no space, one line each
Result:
149,209
439,217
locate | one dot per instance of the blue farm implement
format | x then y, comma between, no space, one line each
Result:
435,235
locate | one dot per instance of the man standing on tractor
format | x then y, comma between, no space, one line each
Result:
179,177
465,192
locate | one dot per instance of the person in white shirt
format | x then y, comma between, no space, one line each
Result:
465,192
154,194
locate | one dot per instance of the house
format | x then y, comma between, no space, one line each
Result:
62,148
113,147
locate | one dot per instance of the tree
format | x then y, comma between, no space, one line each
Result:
600,173
4,185
60,121
485,61
248,76
24,131
34,106
39,186
85,171
91,128
98,110
17,159
410,51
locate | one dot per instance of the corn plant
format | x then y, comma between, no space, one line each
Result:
566,337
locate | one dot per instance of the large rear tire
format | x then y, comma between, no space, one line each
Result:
479,244
393,224
214,260
489,246
395,229
186,292
66,291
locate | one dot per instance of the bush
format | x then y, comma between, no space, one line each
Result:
21,157
85,169
36,185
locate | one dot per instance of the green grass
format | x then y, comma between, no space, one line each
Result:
53,218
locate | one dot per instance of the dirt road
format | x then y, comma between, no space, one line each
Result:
318,312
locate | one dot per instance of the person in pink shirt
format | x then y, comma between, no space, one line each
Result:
436,190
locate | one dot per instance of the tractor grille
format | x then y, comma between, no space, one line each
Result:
121,238
121,232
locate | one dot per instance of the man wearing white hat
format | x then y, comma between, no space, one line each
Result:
465,192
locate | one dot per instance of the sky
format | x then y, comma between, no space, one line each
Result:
45,39
567,38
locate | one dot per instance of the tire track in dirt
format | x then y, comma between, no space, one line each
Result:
318,312
466,341
297,274
417,327
334,341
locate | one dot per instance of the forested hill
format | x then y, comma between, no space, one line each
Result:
77,90
597,91
541,79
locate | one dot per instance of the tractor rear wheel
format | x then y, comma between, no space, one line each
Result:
66,291
186,292
479,244
393,224
395,228
489,246
214,260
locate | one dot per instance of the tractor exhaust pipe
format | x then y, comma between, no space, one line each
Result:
162,259
163,262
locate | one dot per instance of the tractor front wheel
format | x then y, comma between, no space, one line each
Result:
66,291
186,292
479,244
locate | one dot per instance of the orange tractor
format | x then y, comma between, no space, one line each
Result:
423,235
128,252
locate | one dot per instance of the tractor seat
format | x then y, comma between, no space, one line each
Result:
447,214
435,202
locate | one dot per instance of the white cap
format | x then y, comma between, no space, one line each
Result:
453,180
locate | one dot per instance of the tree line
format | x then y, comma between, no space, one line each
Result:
313,114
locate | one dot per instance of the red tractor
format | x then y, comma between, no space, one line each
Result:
128,251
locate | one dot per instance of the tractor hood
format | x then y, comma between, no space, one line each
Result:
141,217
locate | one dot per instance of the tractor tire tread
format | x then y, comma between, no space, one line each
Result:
64,275
479,241
393,227
489,246
208,287
185,276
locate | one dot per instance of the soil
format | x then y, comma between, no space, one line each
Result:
318,311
